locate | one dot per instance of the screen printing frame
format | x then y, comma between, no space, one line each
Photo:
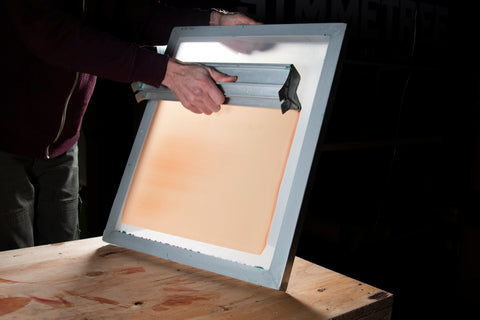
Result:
297,170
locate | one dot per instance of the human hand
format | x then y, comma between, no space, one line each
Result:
225,18
220,17
194,85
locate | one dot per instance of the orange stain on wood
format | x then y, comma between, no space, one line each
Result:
12,304
130,270
181,300
60,303
159,307
177,289
8,281
100,300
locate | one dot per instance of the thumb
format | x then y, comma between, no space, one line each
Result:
221,77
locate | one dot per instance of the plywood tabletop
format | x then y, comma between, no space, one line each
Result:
90,279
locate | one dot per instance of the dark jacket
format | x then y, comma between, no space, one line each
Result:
53,50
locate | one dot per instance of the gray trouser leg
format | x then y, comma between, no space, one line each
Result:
56,210
17,196
38,200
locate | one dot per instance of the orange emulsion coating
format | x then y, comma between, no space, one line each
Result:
213,179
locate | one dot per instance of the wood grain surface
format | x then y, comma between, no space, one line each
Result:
89,279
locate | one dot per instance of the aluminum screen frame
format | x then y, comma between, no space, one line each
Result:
296,173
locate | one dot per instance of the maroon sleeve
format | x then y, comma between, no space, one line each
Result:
64,40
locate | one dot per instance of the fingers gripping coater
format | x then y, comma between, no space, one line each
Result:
257,85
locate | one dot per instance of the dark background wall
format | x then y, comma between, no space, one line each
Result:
395,196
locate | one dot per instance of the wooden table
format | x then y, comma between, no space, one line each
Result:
90,279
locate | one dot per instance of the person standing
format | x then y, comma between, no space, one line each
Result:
53,51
